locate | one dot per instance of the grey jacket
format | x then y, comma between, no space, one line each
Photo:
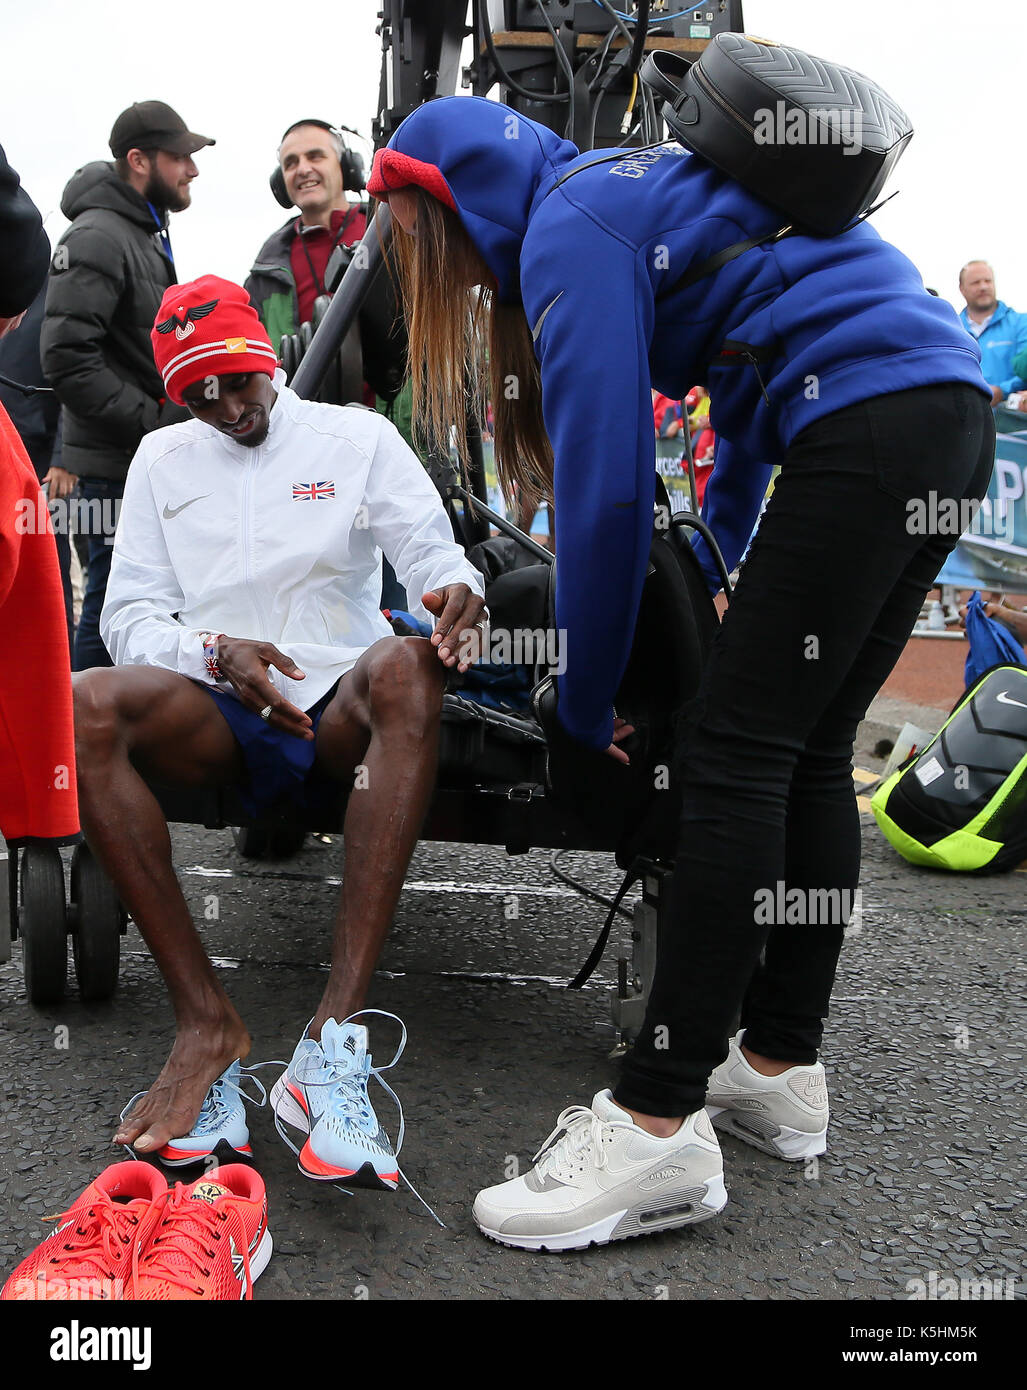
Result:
107,279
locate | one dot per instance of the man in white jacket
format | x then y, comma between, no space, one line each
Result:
242,616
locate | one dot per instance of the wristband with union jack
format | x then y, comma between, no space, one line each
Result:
210,654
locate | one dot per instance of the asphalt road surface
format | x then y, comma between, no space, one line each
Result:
924,1054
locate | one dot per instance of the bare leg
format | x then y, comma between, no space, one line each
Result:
384,719
130,721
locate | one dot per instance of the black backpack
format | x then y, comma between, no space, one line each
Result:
813,139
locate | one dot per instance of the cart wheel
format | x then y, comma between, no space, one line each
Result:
43,924
251,840
96,926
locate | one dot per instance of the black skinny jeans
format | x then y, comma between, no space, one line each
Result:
830,591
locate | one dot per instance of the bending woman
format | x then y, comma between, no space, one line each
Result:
868,393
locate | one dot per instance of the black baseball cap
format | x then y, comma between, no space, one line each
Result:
154,125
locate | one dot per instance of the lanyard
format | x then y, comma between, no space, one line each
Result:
318,283
162,232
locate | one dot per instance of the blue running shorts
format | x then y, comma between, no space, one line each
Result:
278,764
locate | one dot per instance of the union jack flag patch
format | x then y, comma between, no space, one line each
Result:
310,492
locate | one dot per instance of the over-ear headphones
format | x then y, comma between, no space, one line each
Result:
350,162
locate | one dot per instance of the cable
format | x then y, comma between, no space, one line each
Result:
580,887
550,98
653,132
641,33
594,117
27,390
605,4
565,63
695,523
632,19
600,61
637,41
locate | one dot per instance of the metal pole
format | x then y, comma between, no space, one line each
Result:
692,486
354,288
501,523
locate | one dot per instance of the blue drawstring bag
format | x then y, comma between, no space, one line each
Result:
991,642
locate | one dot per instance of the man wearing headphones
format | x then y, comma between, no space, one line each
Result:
316,169
315,172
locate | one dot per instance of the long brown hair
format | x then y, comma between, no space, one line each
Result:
466,348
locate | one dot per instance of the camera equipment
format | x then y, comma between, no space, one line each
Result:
573,64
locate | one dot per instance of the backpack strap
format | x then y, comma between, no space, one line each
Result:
731,253
722,258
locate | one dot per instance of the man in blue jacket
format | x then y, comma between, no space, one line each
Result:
1001,332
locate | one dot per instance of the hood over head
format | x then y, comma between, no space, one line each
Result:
97,185
485,162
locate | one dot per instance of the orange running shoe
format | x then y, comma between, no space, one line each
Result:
89,1256
211,1240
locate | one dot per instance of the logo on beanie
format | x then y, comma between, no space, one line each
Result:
182,322
235,344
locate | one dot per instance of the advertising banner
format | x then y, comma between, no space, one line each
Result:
992,550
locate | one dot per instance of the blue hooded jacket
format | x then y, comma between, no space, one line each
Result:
846,318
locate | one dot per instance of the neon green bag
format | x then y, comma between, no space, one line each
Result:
961,802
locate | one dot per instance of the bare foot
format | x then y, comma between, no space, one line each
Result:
171,1105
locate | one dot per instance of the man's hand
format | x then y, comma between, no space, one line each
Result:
997,395
59,483
1013,618
460,623
11,325
244,664
621,731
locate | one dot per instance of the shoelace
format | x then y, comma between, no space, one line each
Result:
100,1244
349,1096
578,1129
185,1230
214,1110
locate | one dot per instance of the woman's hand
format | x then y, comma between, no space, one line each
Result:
621,731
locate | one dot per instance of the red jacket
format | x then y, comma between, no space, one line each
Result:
38,789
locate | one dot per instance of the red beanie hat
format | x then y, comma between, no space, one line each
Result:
208,328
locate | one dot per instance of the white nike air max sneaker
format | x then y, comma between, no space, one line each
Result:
783,1115
599,1177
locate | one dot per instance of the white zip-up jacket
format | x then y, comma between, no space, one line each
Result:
280,543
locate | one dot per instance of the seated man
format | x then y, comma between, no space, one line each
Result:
249,649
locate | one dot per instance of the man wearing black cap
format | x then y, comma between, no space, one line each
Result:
107,277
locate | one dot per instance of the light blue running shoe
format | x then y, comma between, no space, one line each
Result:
220,1129
323,1094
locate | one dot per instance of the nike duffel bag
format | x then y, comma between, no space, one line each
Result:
961,802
